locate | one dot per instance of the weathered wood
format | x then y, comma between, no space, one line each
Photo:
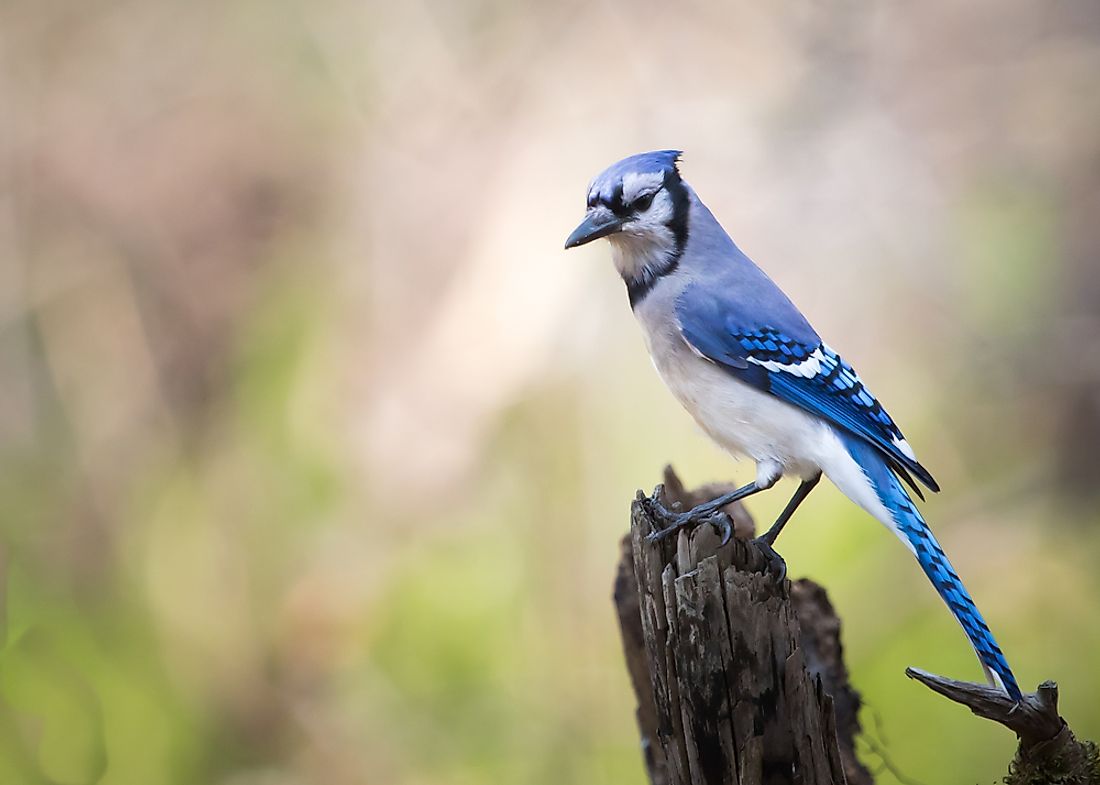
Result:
820,627
739,679
1048,751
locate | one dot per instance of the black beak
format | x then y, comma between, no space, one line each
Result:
599,222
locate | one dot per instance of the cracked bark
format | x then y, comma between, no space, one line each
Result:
740,680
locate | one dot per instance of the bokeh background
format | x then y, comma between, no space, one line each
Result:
315,447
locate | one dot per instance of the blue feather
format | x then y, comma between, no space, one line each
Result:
913,529
835,392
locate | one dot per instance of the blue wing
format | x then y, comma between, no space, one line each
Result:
804,372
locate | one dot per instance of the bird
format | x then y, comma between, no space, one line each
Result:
742,359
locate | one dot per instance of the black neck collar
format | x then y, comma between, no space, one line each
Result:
641,284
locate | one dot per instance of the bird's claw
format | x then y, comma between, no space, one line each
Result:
776,565
722,523
723,526
673,521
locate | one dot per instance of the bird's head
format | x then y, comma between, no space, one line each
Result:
640,204
641,197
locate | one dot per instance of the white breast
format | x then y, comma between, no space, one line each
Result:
741,419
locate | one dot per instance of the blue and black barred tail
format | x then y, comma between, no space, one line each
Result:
914,532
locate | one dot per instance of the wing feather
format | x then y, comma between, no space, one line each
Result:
809,375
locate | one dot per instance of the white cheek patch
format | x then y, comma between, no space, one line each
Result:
634,184
646,242
653,221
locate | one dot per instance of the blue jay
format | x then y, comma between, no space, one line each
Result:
745,363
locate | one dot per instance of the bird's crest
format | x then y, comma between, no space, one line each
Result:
607,186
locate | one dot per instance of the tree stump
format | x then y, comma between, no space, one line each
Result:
740,678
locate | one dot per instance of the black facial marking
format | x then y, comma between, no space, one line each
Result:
679,221
616,203
637,288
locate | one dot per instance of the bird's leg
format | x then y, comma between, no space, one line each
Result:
708,512
766,540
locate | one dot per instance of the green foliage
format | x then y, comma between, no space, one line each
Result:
315,453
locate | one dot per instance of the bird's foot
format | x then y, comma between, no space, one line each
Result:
674,521
776,565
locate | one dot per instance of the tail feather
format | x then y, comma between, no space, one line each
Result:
914,532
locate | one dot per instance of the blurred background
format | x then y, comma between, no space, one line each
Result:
315,447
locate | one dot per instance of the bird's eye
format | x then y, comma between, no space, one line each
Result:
642,203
